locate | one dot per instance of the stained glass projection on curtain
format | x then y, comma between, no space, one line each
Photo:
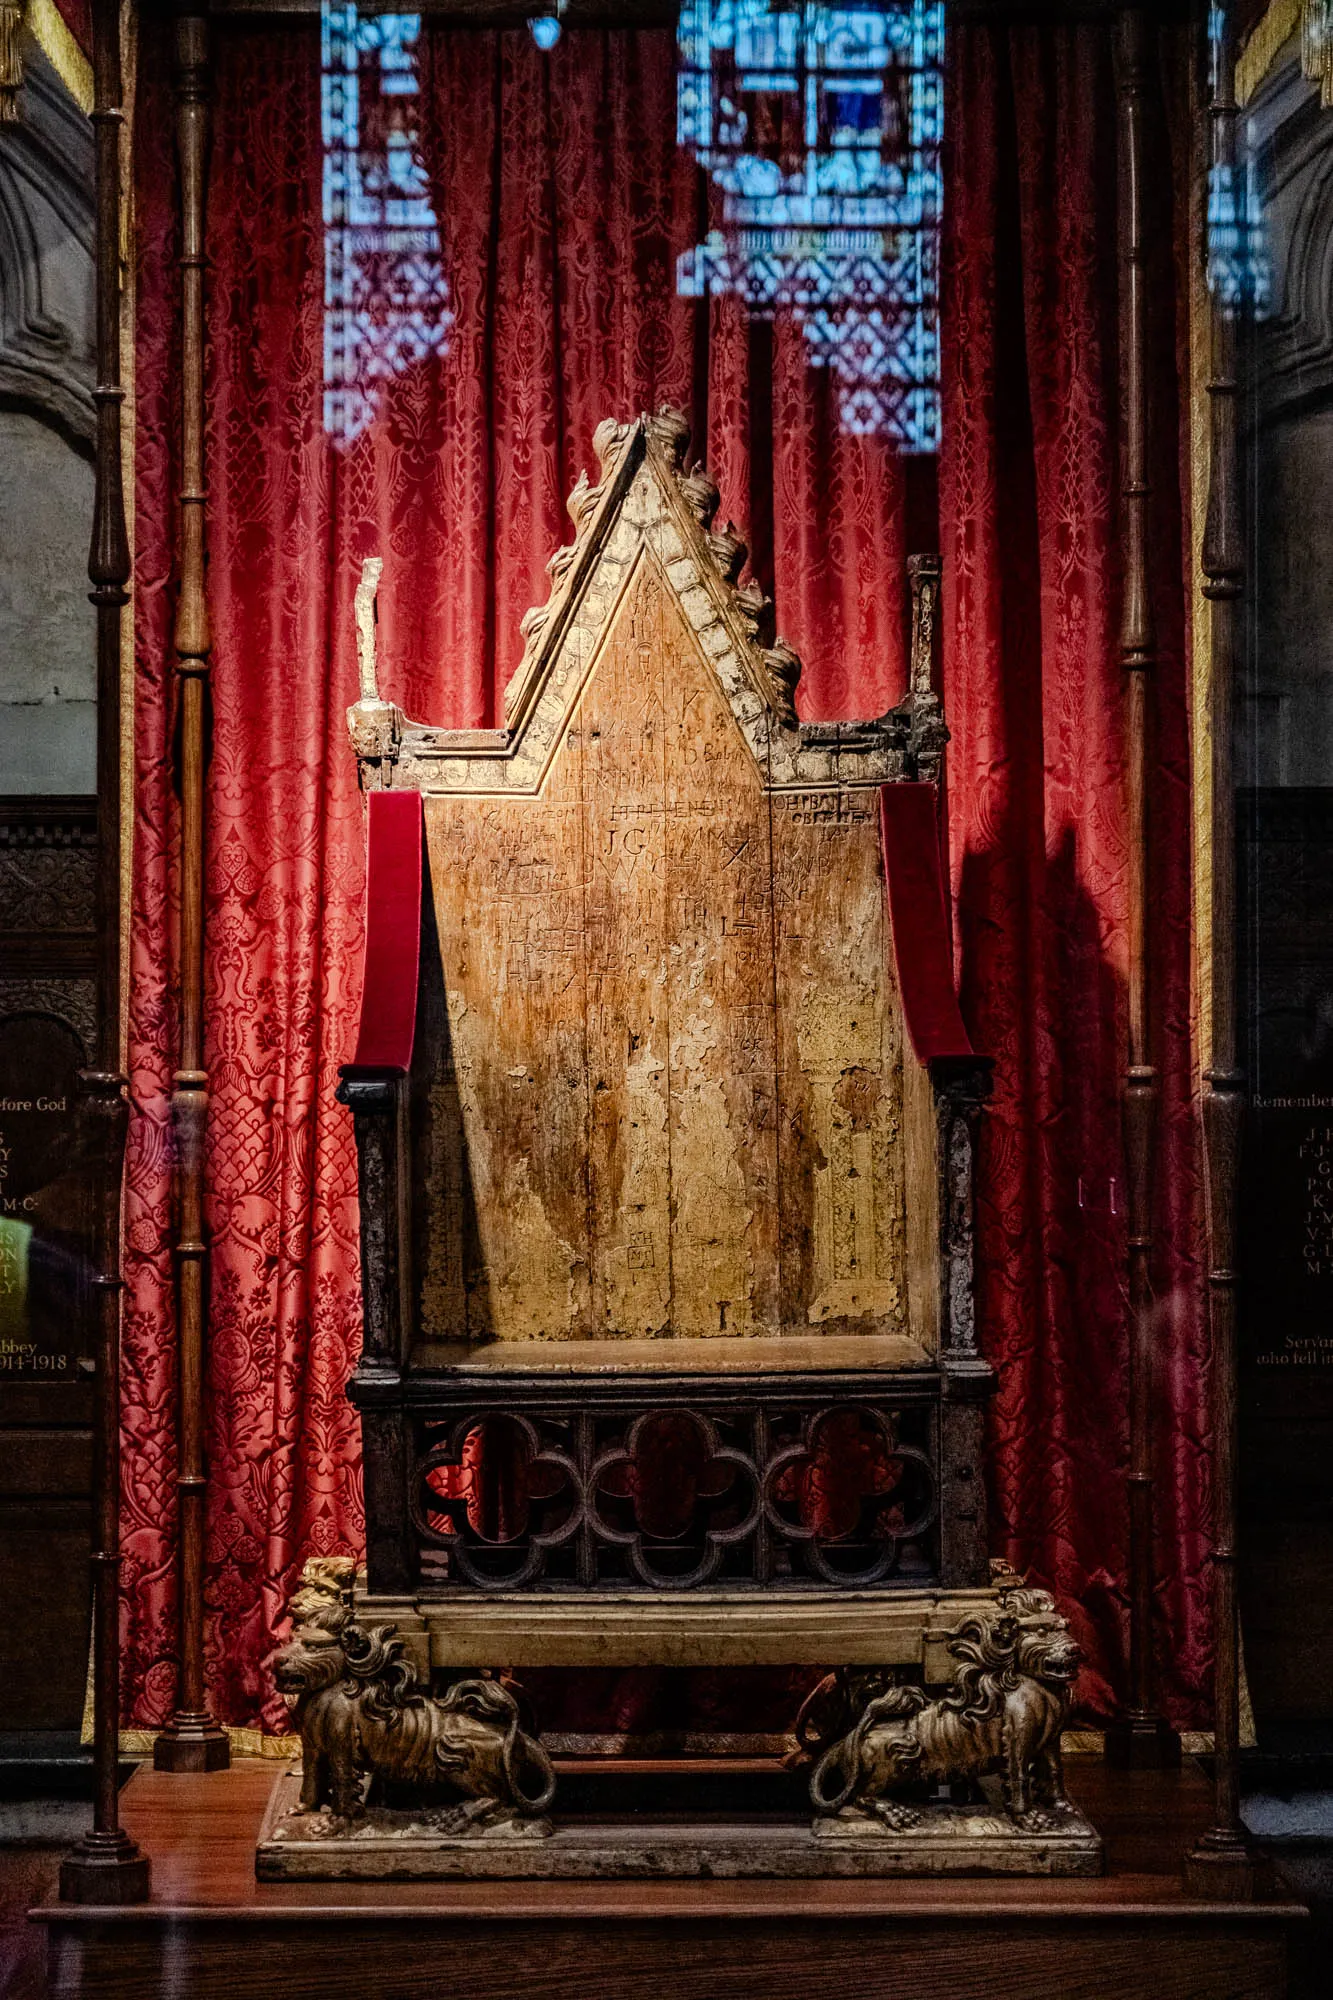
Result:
1240,271
386,301
821,127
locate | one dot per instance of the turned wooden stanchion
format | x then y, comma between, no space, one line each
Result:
1140,1737
1221,1863
192,1741
107,1866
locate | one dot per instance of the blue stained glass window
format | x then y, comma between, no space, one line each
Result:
386,302
821,127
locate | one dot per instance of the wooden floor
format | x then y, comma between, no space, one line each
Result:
212,1933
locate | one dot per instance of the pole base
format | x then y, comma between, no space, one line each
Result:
192,1743
1224,1868
105,1868
1141,1741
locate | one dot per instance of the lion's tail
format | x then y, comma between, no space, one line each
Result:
528,1769
834,1778
526,1760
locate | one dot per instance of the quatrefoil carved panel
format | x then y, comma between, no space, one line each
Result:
672,1487
494,1485
849,1483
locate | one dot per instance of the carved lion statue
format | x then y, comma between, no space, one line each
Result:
1003,1715
360,1710
322,1600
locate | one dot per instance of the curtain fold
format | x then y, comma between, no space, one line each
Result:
563,203
1034,695
282,897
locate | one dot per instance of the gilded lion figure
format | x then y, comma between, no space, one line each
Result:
1003,1716
361,1711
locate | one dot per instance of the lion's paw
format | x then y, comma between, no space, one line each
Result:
895,1816
1037,1819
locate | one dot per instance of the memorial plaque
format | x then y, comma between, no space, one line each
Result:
1287,1208
1290,1232
1286,1246
43,1229
45,1444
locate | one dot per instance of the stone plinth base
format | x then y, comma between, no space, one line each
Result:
392,1845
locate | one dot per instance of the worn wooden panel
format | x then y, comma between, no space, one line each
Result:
719,955
671,1102
840,1067
507,1254
620,744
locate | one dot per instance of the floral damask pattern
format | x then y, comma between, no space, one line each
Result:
563,205
1029,492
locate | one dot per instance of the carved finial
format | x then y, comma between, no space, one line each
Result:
560,562
609,441
757,612
701,496
927,734
670,430
784,671
530,624
367,616
729,551
582,501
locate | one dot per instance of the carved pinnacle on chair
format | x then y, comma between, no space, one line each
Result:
192,1740
373,722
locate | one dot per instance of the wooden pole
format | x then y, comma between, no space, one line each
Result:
1140,1737
106,1866
1222,1863
192,1741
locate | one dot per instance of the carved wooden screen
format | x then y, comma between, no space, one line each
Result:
662,1093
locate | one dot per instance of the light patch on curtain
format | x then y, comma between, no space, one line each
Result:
386,300
1240,271
821,126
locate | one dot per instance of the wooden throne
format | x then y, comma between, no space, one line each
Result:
666,1124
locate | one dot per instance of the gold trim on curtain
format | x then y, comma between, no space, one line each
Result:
1201,624
1270,35
47,27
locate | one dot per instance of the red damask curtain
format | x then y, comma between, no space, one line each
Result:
1034,695
563,203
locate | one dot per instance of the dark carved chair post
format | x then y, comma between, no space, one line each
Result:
962,1086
